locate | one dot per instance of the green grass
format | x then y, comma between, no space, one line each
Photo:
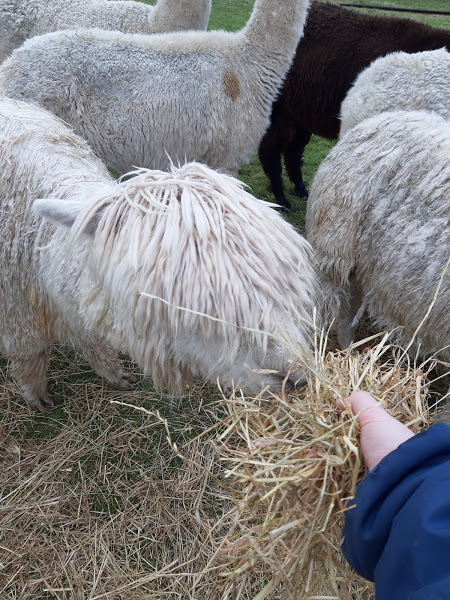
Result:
434,20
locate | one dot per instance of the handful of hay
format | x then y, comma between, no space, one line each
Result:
293,463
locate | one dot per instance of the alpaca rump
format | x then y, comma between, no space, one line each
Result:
20,20
137,251
399,81
138,100
378,219
336,46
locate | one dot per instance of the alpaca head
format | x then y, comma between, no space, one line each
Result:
192,276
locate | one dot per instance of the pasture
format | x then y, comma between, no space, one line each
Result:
136,495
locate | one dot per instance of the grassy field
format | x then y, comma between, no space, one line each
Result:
94,504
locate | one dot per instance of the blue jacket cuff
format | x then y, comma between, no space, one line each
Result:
402,508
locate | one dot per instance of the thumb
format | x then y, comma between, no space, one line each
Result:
380,433
367,409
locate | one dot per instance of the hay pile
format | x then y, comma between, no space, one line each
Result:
94,504
294,463
217,498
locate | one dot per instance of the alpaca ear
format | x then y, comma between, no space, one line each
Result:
64,212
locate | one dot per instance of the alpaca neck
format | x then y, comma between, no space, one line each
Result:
277,25
181,15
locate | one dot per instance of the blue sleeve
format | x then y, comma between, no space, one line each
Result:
398,534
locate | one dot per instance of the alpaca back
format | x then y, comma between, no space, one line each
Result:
145,100
399,81
378,215
22,19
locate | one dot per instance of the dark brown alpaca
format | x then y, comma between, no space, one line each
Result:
337,45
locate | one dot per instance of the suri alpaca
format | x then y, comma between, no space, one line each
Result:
23,19
336,46
148,100
378,220
109,265
399,81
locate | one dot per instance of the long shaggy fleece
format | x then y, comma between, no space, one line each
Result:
192,238
23,19
378,219
399,81
142,101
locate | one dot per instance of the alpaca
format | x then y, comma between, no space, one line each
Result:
378,219
180,269
22,19
337,45
148,100
399,81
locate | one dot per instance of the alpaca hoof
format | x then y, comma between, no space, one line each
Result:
302,193
40,403
124,382
283,204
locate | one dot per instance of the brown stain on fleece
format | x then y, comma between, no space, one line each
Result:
231,85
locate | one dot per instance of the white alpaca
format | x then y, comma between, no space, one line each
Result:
191,237
138,100
22,19
399,81
378,219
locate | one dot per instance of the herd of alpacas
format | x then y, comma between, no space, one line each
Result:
180,267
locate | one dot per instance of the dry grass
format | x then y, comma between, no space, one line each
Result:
216,498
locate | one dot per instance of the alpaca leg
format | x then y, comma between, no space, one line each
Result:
30,372
106,363
345,324
293,158
270,150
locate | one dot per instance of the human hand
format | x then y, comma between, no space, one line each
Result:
380,433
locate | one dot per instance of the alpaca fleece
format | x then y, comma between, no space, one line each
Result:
181,269
142,101
22,19
399,81
378,219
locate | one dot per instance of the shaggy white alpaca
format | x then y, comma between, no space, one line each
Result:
378,219
189,238
23,19
138,100
399,81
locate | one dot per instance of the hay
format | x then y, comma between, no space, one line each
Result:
294,463
225,498
94,504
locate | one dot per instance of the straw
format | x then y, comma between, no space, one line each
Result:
132,496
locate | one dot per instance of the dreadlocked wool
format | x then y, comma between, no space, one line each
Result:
182,270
